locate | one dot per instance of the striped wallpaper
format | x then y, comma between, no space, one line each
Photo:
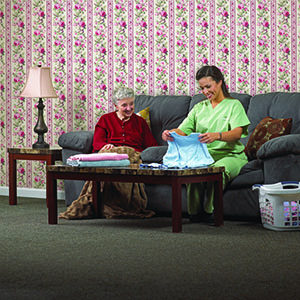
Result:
154,46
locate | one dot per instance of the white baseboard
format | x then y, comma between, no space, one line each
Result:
31,193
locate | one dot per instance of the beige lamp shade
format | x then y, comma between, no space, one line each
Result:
39,84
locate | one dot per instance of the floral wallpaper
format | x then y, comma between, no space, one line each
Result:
154,46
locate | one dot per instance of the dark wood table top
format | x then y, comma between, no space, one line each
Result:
136,170
34,151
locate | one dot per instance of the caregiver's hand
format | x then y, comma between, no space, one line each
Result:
166,136
209,137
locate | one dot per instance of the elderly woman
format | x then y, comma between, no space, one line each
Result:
120,131
123,127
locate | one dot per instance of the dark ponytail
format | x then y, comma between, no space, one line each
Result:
216,75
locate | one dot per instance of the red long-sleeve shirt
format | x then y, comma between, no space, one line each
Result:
133,133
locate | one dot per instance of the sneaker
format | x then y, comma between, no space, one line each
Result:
202,217
195,218
207,217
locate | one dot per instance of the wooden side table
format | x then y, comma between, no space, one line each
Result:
48,155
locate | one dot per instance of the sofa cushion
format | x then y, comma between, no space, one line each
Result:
145,114
154,154
282,168
166,112
77,140
266,130
250,174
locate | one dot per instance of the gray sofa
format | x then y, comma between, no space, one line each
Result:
277,160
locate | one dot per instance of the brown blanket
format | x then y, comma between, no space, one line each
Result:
118,199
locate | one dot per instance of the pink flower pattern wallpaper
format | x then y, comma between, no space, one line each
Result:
153,46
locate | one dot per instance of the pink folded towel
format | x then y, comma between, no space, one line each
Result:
98,156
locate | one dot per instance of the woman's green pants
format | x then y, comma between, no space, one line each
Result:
196,191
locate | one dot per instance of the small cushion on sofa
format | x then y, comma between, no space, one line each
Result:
283,145
154,154
250,174
145,114
266,130
77,140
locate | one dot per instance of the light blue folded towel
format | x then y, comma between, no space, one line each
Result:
99,163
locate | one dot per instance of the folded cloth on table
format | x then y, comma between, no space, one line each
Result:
99,156
153,166
99,163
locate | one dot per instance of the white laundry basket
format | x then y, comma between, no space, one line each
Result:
280,205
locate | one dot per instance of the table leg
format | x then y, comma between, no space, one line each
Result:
51,193
49,161
96,198
218,201
176,206
12,180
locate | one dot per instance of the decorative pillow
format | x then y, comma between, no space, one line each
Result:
145,115
266,130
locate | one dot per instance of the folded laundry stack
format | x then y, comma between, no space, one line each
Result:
99,160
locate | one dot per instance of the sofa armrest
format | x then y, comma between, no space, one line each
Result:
81,141
283,145
154,154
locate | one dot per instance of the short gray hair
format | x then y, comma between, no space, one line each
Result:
122,93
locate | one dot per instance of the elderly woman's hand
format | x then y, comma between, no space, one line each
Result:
108,147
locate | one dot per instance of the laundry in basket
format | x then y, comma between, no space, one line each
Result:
280,205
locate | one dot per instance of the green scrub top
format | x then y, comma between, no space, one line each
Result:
226,116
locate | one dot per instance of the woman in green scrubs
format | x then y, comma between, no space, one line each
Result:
220,121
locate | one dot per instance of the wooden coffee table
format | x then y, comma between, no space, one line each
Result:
175,177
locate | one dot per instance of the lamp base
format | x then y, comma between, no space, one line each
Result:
40,128
40,145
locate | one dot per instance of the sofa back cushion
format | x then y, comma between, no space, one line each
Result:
276,105
166,112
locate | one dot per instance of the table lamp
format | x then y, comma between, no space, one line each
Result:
39,85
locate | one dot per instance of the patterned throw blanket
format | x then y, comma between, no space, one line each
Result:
118,199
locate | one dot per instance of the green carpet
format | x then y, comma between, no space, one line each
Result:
141,259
